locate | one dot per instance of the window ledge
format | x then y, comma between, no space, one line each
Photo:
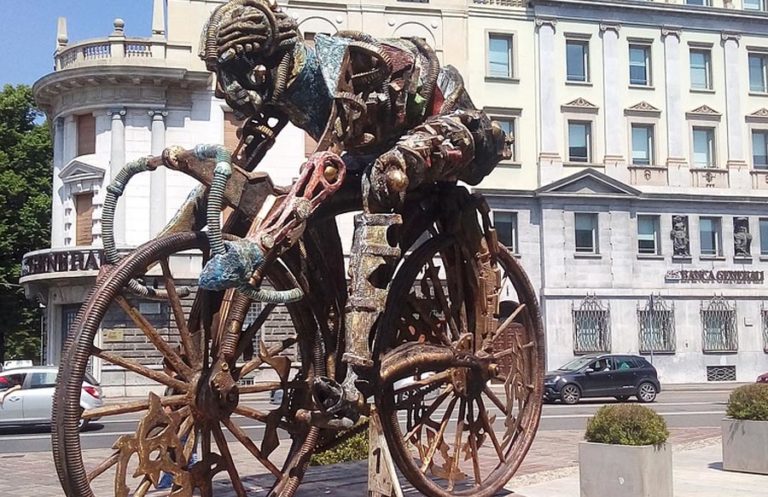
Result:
742,258
682,258
711,258
658,352
501,79
578,83
642,87
583,164
652,257
720,351
510,164
764,257
703,90
586,255
758,94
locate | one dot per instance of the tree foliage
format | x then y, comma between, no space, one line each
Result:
25,217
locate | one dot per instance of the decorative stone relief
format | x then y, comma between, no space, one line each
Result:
742,238
681,242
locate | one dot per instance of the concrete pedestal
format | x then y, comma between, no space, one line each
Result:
628,471
745,446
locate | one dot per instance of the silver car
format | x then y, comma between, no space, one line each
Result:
26,395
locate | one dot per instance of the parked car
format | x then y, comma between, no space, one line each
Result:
604,375
763,378
26,395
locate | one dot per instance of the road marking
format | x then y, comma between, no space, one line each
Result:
692,413
103,434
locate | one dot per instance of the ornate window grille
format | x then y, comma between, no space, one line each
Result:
718,324
657,326
591,326
764,316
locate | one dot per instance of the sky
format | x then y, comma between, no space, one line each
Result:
28,30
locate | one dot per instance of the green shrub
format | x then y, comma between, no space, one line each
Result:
354,448
627,424
749,402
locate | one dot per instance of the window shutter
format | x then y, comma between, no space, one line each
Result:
84,222
86,134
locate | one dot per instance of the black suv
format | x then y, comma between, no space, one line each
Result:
603,375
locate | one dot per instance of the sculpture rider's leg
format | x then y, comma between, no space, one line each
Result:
460,146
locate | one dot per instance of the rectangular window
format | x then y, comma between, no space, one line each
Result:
758,78
754,5
718,323
656,322
579,141
84,219
764,236
701,69
68,316
642,144
704,147
591,326
640,65
506,229
500,56
711,236
577,60
760,149
586,233
508,125
648,235
86,134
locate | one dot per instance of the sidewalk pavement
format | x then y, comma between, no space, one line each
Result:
552,460
697,473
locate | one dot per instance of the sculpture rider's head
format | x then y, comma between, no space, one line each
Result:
249,45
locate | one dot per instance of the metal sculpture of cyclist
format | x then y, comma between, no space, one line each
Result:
386,107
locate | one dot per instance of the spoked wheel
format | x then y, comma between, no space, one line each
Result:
460,382
199,427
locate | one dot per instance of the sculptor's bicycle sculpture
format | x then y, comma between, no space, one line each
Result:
417,328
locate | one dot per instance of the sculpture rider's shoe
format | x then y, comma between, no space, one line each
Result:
332,398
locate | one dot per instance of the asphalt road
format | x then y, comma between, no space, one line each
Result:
679,408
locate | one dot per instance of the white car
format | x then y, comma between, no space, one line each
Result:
26,395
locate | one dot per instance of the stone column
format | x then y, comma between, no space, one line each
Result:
677,132
735,118
116,163
57,204
615,137
157,178
550,163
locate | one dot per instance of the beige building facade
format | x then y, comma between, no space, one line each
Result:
638,126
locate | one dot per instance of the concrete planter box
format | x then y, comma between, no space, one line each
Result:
745,446
625,470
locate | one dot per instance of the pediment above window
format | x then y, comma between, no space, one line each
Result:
704,112
78,170
580,105
643,109
589,182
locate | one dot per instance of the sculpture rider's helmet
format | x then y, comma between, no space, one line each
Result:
249,45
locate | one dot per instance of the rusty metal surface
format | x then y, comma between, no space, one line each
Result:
422,293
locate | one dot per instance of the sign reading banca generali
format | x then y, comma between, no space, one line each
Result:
712,276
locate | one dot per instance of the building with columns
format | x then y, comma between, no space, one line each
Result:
636,198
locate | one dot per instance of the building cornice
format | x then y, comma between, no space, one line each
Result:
48,88
647,13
